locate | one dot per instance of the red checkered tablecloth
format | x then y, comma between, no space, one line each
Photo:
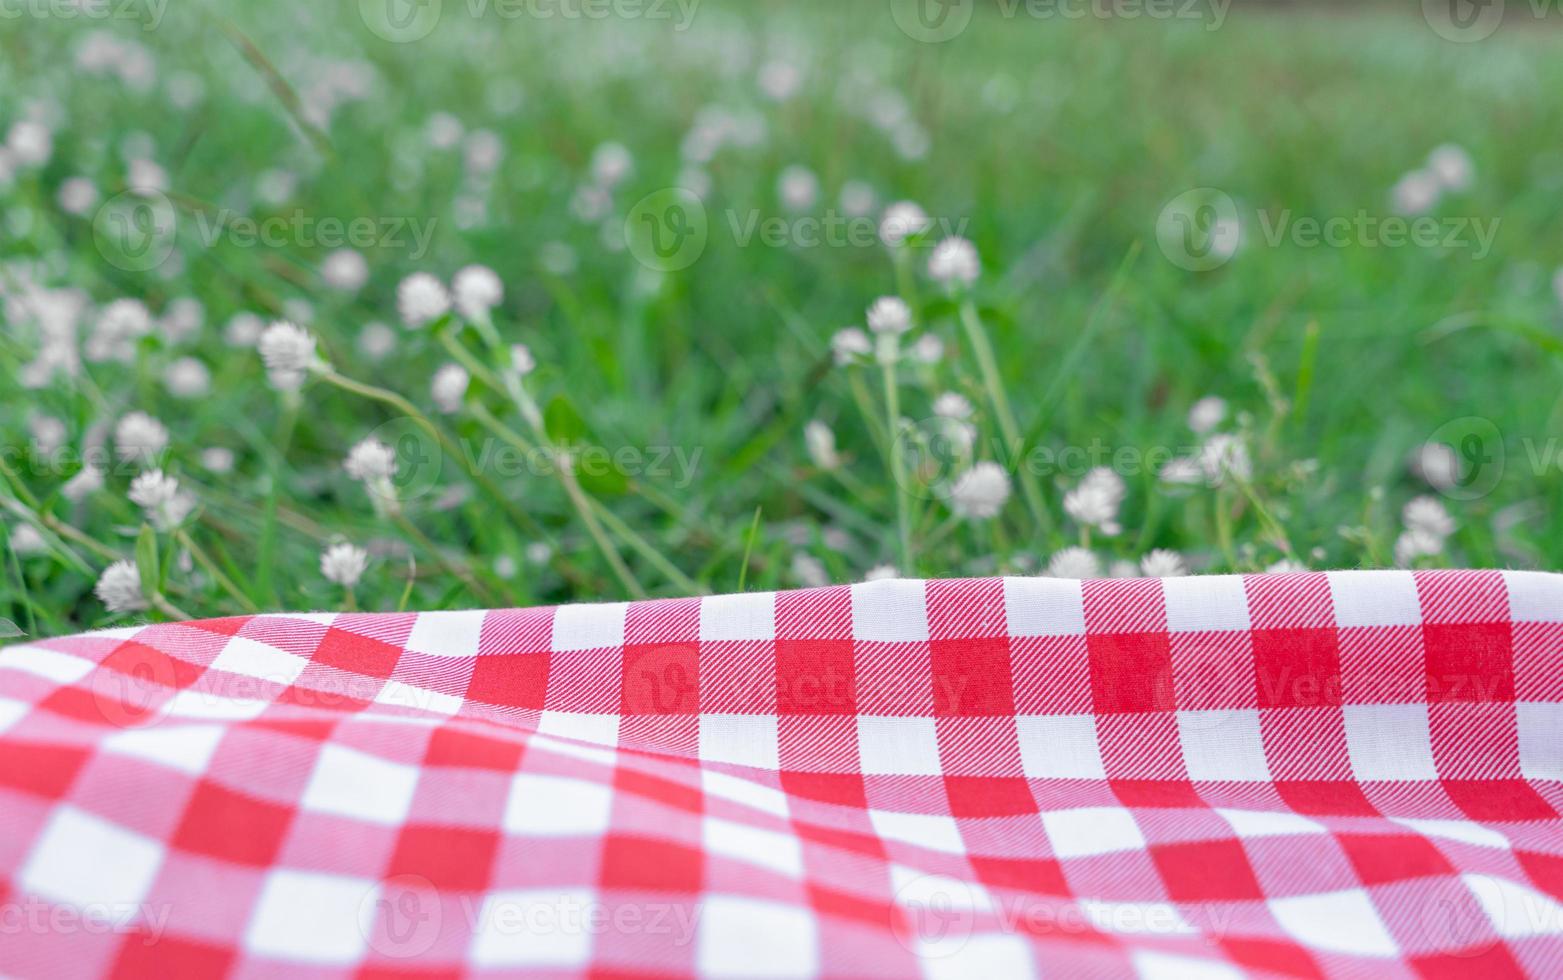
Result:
1332,774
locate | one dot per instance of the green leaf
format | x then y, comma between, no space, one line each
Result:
564,424
146,560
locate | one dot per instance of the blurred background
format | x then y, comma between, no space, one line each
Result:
1334,227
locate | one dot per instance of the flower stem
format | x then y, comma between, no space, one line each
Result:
982,348
903,514
212,569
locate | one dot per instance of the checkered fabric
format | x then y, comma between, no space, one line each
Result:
1335,774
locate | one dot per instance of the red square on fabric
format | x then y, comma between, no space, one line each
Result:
971,677
640,864
1382,858
1207,871
510,680
676,795
661,679
357,654
224,824
43,770
1130,671
1493,960
450,746
989,796
1498,799
815,677
1157,793
1272,956
1325,798
1043,876
1469,661
167,956
1297,668
451,858
845,789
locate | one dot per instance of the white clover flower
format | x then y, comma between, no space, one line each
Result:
611,164
1223,456
119,588
344,564
1163,563
1075,562
187,378
160,499
1427,514
483,151
1415,193
444,131
243,329
77,196
25,540
289,353
821,444
376,341
889,315
421,298
146,176
1206,414
954,263
539,552
119,325
798,188
928,349
505,566
857,199
1436,463
779,79
1452,166
346,270
809,571
87,481
1414,543
478,290
49,433
30,143
1123,568
1286,566
848,344
1095,502
880,573
449,387
521,360
901,221
980,492
370,460
217,459
182,320
951,405
1557,285
140,437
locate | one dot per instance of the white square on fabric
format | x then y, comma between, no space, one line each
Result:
930,830
750,937
736,789
1205,603
195,702
1515,910
961,957
741,616
51,665
1150,964
890,611
937,893
403,695
598,729
1379,598
1337,922
84,861
746,740
12,712
1389,742
1044,607
242,655
1541,739
452,633
1223,746
556,806
1088,831
314,918
534,928
185,748
1464,831
589,626
892,746
1249,824
762,848
1059,747
1534,597
349,783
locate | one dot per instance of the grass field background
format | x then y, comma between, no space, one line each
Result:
1055,145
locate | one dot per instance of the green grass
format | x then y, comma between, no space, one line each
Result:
1053,146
